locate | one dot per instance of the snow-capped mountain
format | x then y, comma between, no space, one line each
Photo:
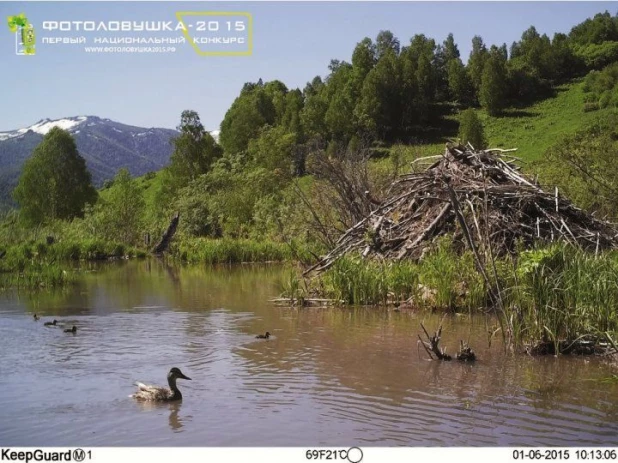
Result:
106,146
44,126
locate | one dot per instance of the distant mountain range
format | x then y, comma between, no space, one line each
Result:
106,145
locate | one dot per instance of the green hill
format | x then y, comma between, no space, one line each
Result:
532,129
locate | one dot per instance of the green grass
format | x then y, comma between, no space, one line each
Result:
38,275
533,129
561,293
229,251
450,281
37,264
552,294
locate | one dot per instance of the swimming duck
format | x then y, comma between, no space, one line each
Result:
36,317
158,393
51,323
72,330
263,336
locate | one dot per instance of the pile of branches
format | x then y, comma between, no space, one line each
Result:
480,198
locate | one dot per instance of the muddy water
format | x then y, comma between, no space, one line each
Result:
328,377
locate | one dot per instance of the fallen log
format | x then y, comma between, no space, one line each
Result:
163,245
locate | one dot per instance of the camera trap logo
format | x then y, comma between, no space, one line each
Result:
25,38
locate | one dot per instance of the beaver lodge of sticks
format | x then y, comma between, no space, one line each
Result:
482,199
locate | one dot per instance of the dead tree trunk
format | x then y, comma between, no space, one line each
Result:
431,345
167,236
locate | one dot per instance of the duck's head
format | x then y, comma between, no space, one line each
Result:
35,316
73,330
175,373
267,335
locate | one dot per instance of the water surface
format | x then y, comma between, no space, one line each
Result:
328,377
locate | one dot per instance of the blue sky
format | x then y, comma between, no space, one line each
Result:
293,42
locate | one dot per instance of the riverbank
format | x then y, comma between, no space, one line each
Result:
552,299
549,300
51,263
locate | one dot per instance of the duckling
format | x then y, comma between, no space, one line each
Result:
72,330
36,317
161,394
51,323
263,336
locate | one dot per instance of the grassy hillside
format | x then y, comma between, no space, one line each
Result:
535,128
532,130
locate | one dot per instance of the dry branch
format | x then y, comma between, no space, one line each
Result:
431,345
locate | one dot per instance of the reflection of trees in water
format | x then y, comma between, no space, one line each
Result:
175,420
124,285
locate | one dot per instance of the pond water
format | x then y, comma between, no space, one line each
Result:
328,377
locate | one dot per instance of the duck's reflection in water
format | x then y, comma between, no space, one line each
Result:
175,420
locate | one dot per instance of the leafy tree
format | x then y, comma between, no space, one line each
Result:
565,63
418,77
476,62
363,61
445,53
459,84
471,129
335,65
232,195
420,46
426,82
120,212
492,93
273,150
251,111
194,149
313,87
193,204
341,95
380,107
595,41
277,91
601,87
602,28
314,112
449,49
294,103
386,41
54,183
408,64
596,56
537,53
523,83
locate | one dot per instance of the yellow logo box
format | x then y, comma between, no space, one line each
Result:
181,14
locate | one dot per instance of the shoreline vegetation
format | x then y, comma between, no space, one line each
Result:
554,299
293,170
